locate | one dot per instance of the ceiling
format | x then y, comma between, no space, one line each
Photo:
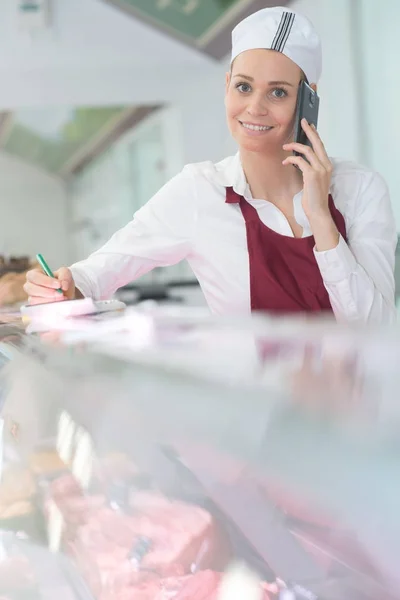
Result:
84,33
95,52
102,65
203,24
64,139
193,21
51,138
68,91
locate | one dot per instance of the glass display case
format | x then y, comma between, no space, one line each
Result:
170,455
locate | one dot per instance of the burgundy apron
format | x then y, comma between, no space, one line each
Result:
284,275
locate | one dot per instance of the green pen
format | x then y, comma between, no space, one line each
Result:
46,269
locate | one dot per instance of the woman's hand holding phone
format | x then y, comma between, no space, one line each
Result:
317,172
317,175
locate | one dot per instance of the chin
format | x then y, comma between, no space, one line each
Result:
255,145
269,144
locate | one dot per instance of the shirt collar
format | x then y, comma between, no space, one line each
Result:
230,174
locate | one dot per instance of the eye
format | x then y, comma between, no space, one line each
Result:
243,87
279,93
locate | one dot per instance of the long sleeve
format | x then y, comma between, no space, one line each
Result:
160,234
359,274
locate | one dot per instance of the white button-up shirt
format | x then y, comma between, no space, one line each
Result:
189,219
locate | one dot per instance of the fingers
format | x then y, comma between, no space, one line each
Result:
45,300
317,144
299,162
316,155
38,294
41,288
307,152
37,277
64,277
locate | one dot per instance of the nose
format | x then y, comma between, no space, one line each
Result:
257,106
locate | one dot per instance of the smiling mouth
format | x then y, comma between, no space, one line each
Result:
252,127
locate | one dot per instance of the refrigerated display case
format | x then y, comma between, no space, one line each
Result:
150,468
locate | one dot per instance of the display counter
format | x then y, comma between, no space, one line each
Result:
147,460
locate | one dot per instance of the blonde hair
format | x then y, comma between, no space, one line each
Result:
303,76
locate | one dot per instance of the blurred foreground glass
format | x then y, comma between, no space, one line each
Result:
164,444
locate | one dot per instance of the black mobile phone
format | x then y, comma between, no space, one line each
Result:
307,108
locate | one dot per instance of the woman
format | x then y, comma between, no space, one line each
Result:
258,233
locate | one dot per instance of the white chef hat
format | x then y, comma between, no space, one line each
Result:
285,31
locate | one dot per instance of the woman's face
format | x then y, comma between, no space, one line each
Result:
260,101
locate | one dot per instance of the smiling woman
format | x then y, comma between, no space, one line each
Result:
261,93
258,233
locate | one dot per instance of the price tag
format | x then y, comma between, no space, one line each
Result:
65,437
82,464
55,527
3,551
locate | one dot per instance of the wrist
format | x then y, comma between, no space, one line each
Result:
320,218
325,232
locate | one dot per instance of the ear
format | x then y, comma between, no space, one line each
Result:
314,87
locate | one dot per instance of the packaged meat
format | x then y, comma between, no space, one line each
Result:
59,493
65,487
160,537
66,508
128,535
204,585
75,506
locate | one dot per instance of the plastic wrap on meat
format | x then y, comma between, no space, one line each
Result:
65,487
160,537
71,499
204,585
74,507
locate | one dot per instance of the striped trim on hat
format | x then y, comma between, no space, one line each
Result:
283,32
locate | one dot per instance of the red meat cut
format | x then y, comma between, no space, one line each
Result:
204,585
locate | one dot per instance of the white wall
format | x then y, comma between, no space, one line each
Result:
205,135
108,192
32,212
360,86
380,31
339,123
92,54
